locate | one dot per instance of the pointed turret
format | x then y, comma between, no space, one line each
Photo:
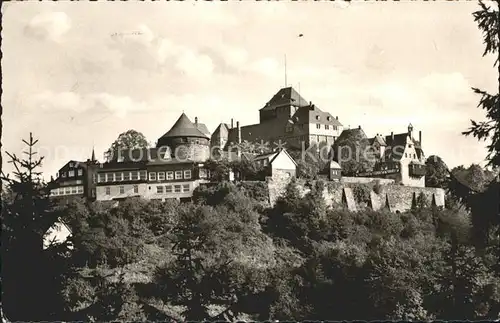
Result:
93,155
183,127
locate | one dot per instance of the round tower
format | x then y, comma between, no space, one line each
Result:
186,141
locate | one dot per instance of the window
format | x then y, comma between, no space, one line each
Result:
71,173
79,189
152,176
159,189
136,189
178,174
326,127
406,154
328,118
57,174
168,189
108,190
185,188
79,181
142,175
100,178
122,189
318,126
317,117
73,190
126,176
264,162
109,177
414,156
170,175
134,176
161,176
80,172
71,165
187,174
177,188
119,177
63,175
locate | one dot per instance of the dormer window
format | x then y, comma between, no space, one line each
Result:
317,117
329,118
71,165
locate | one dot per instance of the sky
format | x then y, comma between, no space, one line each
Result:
77,74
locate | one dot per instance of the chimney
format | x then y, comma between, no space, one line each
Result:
359,127
196,120
232,123
337,117
420,137
392,136
239,131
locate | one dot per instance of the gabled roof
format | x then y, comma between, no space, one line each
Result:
221,128
266,156
308,114
203,128
183,127
352,132
273,155
285,96
378,139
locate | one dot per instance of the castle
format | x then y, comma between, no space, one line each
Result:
176,166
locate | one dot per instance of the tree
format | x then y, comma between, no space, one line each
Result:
354,153
436,172
489,23
130,139
29,273
215,249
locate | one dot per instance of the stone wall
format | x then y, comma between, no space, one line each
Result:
366,180
396,198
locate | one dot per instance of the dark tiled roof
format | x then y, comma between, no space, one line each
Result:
267,130
378,139
265,156
203,128
143,156
285,96
308,115
351,133
183,127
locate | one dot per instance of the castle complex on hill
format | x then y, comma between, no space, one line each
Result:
177,165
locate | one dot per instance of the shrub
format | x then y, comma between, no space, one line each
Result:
361,193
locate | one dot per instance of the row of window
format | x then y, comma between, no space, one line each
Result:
170,175
70,173
141,175
121,176
327,127
414,155
122,189
184,188
68,190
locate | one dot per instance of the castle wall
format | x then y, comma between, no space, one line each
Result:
400,198
365,180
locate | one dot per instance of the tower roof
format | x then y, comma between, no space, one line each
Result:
183,127
285,96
